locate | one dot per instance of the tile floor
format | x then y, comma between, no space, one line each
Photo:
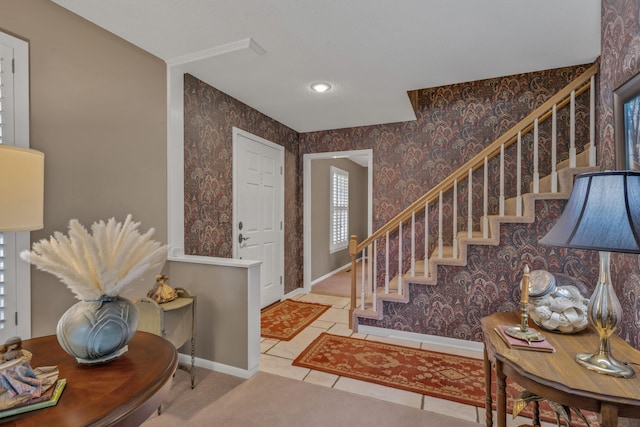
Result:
277,356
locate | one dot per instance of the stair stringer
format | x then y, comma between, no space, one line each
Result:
565,185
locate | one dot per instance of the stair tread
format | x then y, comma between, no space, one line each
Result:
544,183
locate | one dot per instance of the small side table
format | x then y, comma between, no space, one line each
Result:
174,320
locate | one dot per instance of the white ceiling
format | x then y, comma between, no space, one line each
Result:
265,53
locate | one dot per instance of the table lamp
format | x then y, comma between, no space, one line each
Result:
602,214
21,188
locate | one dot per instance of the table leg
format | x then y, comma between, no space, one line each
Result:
193,343
487,380
193,362
608,415
501,395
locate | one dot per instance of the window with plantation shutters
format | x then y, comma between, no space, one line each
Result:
339,221
15,288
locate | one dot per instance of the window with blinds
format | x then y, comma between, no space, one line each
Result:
15,289
339,221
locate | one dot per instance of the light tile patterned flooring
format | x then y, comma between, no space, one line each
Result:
277,357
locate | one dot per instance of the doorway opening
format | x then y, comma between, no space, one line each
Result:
319,262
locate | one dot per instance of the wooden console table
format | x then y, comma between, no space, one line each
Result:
122,392
557,376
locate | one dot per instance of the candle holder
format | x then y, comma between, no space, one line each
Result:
522,331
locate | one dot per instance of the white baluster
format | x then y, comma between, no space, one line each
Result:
454,227
386,266
426,238
519,175
554,173
592,122
536,173
572,131
470,205
400,259
362,287
413,243
374,283
485,200
502,180
440,226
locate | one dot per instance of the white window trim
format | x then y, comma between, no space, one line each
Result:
20,240
343,244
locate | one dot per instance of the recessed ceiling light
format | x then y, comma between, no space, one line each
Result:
320,87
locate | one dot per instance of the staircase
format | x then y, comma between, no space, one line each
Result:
470,205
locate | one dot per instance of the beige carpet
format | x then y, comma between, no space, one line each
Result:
268,400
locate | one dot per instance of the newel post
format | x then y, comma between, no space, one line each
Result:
353,245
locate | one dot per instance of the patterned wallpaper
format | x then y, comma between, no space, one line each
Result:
487,284
620,61
210,116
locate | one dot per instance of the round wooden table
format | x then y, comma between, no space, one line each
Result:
122,392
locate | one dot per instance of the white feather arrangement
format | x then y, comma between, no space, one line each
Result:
101,263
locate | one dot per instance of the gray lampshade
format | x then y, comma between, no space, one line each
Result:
603,214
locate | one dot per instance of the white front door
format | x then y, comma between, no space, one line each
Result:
258,214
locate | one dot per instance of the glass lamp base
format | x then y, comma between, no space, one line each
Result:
606,364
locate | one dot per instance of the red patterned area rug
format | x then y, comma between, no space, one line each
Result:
288,318
446,376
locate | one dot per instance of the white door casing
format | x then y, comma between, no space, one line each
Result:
258,211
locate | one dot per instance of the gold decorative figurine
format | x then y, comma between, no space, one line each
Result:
162,292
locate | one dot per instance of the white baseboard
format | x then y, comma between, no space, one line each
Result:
295,292
466,348
185,359
471,349
337,270
329,274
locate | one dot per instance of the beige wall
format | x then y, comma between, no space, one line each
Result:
98,112
227,312
322,260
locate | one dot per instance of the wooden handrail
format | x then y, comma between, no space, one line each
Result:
543,112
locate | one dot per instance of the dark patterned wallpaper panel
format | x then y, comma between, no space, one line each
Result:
619,62
210,116
489,281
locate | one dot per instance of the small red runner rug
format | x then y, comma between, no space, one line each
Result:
288,318
446,376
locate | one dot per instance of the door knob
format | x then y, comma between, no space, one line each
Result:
242,239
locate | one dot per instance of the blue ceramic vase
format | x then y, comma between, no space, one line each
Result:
98,331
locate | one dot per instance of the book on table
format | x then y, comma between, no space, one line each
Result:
512,342
49,398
